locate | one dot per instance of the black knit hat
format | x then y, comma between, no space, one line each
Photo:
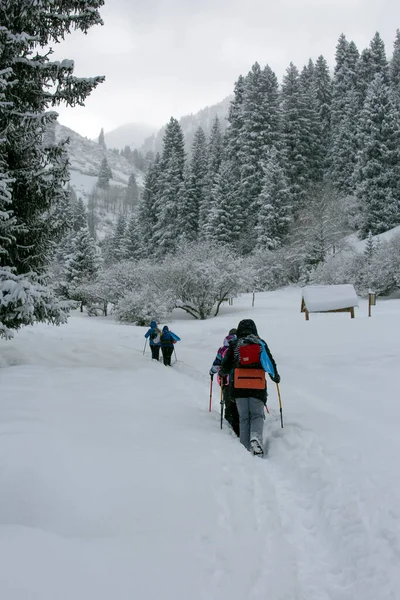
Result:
246,327
232,331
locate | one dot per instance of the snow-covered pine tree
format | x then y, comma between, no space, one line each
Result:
147,214
105,174
33,166
167,228
39,171
235,119
102,141
274,210
299,137
194,208
394,69
131,194
132,245
344,114
260,131
225,220
369,247
322,84
83,263
215,151
371,63
377,173
119,238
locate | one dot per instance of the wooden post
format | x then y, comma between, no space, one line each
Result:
307,315
253,299
352,312
371,301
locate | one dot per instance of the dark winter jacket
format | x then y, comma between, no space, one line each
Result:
220,355
153,333
168,338
246,331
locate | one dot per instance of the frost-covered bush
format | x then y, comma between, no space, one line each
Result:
143,305
24,300
200,277
378,269
270,270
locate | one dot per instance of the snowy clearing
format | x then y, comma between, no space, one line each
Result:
117,482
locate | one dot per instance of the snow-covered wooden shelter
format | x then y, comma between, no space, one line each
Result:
328,298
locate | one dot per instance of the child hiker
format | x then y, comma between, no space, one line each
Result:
231,412
167,340
246,361
154,334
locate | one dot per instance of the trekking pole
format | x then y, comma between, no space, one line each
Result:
280,404
222,401
211,390
176,359
144,349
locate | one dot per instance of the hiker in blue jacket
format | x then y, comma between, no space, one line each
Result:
247,360
154,334
167,340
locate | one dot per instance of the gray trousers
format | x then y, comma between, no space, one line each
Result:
251,419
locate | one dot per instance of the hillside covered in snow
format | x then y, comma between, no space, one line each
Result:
85,158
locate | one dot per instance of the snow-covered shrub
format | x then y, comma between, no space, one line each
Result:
270,270
142,305
202,276
24,300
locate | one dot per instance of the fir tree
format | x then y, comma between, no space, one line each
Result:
167,229
377,172
105,174
225,221
369,247
196,212
260,131
39,171
274,210
147,217
83,263
300,136
344,114
371,63
131,194
322,84
395,69
132,246
215,152
33,167
119,238
102,141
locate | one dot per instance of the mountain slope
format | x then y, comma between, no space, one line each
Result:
85,159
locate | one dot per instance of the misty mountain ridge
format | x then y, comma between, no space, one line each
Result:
128,134
190,123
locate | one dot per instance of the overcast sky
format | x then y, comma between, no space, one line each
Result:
166,58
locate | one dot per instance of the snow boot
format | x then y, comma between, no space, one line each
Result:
256,447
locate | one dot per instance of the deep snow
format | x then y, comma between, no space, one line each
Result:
116,482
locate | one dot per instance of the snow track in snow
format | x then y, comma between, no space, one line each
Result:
117,482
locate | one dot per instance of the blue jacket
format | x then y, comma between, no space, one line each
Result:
168,338
153,334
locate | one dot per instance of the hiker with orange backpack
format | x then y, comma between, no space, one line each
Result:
231,412
246,361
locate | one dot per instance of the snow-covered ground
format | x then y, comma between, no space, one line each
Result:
116,483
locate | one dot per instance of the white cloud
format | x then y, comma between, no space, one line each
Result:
170,58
